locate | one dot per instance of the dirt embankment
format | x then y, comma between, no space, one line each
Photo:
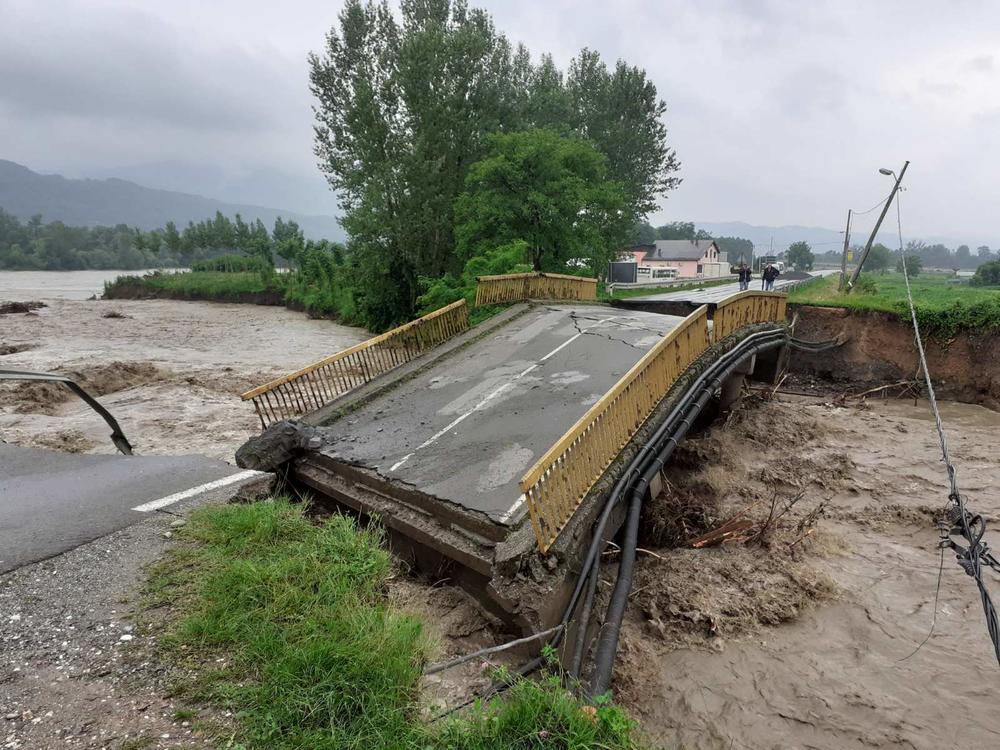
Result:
879,349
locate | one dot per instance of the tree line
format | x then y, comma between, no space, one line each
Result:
54,246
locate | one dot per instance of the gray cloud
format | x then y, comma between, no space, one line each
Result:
780,111
128,65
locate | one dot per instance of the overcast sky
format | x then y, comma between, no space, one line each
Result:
780,112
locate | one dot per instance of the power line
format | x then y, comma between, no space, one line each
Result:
876,206
971,527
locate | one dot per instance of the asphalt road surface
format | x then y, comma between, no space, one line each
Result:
467,429
718,293
51,502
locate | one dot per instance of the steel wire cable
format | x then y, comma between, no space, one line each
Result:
971,527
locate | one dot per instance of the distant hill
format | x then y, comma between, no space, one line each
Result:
761,236
823,239
25,193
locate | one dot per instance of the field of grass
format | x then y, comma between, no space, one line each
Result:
285,623
944,308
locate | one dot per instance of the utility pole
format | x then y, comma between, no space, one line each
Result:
871,239
843,259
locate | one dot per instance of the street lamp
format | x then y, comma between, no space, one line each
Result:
885,209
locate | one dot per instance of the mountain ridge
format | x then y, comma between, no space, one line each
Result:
111,201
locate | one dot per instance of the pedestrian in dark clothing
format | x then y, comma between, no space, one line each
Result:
768,277
745,277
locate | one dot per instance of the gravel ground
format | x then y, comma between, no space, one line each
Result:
74,670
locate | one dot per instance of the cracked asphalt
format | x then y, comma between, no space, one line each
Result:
467,429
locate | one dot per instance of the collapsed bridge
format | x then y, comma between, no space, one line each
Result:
487,452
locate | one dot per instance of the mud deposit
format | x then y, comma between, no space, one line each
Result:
802,637
170,372
879,349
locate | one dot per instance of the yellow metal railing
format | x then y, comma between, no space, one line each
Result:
559,481
312,387
556,485
515,287
746,308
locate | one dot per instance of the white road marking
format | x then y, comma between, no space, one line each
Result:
493,394
513,509
163,502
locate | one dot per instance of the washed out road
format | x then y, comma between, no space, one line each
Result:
51,502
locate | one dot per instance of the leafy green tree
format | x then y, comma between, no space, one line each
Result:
800,256
914,265
549,192
406,102
984,252
288,240
879,258
173,243
963,256
676,230
988,274
620,111
642,234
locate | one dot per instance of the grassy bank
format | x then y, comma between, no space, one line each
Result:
286,624
944,308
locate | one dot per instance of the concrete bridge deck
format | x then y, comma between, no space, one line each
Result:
465,429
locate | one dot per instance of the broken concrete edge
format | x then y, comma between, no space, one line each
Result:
358,397
541,585
473,524
530,588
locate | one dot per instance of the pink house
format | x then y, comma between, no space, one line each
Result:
693,259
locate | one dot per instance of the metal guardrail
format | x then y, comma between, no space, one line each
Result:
517,287
556,485
746,308
559,481
117,436
315,385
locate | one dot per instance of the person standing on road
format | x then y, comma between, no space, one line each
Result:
768,277
745,276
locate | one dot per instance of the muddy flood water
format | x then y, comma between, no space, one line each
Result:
801,637
170,372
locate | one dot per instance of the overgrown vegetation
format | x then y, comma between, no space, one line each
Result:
945,306
409,99
204,285
987,274
314,656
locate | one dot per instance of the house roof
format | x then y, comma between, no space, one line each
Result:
677,249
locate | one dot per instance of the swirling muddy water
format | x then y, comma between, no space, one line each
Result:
723,647
170,371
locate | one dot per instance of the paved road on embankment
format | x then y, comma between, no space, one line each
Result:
467,428
718,293
51,502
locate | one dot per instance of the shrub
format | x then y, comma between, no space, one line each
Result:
231,264
988,274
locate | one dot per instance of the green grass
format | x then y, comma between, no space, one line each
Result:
943,309
313,656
